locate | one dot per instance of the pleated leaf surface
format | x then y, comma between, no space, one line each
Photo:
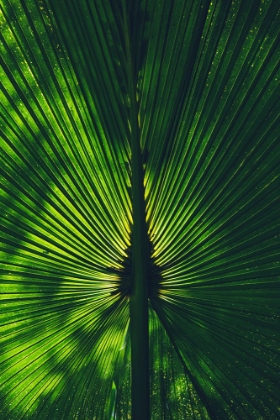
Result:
208,93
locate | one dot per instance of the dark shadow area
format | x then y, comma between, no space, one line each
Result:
125,274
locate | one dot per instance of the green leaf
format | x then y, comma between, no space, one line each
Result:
195,86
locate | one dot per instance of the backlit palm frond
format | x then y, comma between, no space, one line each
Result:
213,197
207,90
65,211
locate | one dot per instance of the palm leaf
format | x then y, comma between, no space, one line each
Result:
176,105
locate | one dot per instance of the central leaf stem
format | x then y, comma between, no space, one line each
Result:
139,328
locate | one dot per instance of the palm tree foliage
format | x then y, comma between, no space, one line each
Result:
199,82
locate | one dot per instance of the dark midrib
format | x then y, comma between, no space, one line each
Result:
139,332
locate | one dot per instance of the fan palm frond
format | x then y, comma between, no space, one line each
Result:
139,174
